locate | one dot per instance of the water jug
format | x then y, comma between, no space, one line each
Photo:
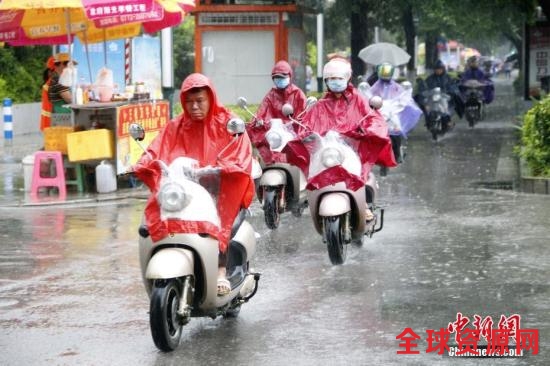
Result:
105,177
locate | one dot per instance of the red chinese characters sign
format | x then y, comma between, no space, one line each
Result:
497,342
539,57
152,116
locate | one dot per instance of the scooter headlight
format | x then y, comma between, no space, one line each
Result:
436,97
172,197
274,139
331,156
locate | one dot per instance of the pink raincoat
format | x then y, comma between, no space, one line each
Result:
271,107
203,141
351,116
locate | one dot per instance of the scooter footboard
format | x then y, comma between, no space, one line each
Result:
247,238
170,263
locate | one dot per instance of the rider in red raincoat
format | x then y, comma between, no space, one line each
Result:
344,110
284,91
200,133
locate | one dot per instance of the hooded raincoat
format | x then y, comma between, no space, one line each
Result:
271,107
409,116
477,74
351,116
209,143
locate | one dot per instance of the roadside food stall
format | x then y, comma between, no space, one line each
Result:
98,136
104,132
98,130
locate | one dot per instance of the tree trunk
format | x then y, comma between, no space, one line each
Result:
359,36
410,34
517,41
431,50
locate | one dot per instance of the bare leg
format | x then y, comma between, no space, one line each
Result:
224,287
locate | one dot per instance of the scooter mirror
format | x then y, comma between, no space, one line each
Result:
235,126
242,102
363,86
376,102
137,132
287,110
310,101
406,85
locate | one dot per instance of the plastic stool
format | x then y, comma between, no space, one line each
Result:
78,172
58,181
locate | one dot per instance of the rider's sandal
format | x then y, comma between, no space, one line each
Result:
369,216
224,286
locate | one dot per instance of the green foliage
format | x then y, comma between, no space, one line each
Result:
311,51
535,138
184,50
241,113
21,72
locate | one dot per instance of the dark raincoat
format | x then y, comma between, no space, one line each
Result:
477,74
271,107
203,141
351,116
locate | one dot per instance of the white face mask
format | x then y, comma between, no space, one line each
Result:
281,83
337,85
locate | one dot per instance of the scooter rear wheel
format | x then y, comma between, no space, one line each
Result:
271,208
334,234
163,318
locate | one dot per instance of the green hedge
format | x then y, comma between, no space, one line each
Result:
535,138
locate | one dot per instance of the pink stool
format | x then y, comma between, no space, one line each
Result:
57,181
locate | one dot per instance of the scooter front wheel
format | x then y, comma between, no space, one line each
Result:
271,207
164,320
334,234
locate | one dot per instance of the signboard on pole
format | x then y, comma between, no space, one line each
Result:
539,58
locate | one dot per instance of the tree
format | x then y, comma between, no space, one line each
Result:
21,71
480,24
184,50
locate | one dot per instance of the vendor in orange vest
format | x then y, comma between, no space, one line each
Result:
46,111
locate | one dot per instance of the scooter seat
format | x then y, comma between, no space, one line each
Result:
238,222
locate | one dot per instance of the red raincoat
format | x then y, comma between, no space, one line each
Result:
271,107
202,141
346,116
46,111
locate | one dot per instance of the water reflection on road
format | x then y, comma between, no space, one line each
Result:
70,291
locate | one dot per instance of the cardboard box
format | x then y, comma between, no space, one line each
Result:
55,138
91,145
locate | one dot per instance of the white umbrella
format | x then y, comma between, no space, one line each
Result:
380,52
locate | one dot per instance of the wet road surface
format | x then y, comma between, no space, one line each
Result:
71,293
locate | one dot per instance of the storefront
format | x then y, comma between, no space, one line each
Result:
238,42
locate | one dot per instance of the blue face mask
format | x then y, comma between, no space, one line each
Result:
281,83
337,85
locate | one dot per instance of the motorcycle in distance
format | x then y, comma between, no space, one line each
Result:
281,187
472,94
400,113
337,195
436,106
180,271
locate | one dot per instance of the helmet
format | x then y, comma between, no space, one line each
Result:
439,65
472,61
337,68
385,71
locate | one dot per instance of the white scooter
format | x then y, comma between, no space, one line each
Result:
281,187
180,271
338,206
